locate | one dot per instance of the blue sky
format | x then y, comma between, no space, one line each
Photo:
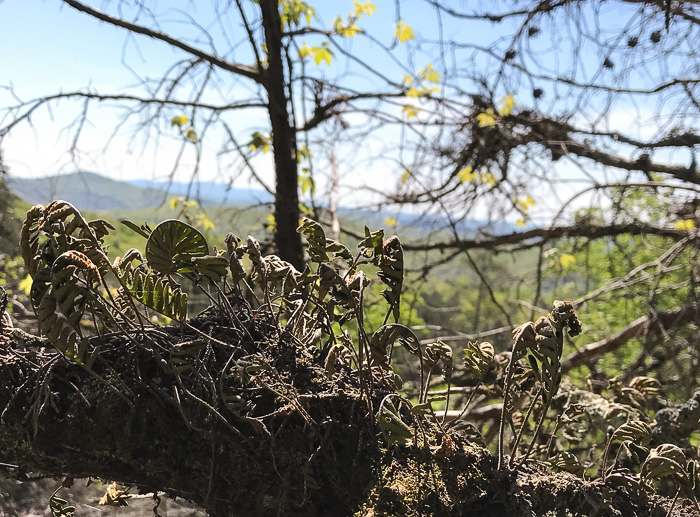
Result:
49,47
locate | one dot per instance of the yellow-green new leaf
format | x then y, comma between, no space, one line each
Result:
685,224
323,54
467,175
566,259
507,106
179,121
410,111
487,118
403,32
366,9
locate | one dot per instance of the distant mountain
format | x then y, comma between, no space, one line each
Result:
209,192
425,223
91,191
87,191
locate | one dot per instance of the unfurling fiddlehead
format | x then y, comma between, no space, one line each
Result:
543,343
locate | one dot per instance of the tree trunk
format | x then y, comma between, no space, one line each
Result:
288,241
129,420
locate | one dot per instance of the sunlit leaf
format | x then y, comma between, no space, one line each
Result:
487,118
259,141
179,121
346,30
489,178
391,222
414,92
323,54
467,175
293,10
368,8
429,74
525,203
26,285
205,222
566,259
410,111
403,32
114,497
685,224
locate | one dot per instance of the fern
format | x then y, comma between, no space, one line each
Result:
391,265
155,292
319,245
665,460
172,245
478,357
389,335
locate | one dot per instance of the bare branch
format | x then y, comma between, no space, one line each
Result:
243,70
638,328
535,237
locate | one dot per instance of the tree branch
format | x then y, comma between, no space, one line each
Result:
537,236
243,70
639,327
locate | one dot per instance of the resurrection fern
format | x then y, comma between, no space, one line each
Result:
390,335
64,254
478,357
156,292
172,245
320,246
635,432
59,506
260,303
543,343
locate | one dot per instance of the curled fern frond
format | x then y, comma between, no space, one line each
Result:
647,386
438,352
523,340
58,506
636,431
391,272
389,335
568,462
319,245
182,355
143,230
235,253
63,334
211,267
478,357
372,244
73,279
665,460
394,429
